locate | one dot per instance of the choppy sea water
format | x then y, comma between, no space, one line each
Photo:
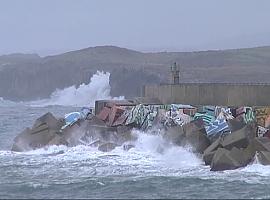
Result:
141,172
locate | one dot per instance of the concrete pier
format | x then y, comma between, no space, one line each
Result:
226,94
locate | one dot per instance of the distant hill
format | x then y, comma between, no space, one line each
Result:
28,76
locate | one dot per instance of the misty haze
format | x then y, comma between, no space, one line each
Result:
134,99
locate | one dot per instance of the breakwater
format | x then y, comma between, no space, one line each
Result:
226,94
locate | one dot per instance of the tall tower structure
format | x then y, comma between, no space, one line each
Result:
175,74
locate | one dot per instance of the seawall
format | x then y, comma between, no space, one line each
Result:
226,94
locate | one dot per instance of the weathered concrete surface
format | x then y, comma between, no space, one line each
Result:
264,157
49,120
229,159
107,147
209,153
47,131
175,134
235,124
44,131
261,144
240,138
124,134
211,94
196,135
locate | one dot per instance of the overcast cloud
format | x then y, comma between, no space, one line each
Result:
55,26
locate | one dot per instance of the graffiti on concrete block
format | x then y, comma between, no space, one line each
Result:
263,116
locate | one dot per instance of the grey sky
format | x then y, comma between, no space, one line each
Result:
55,26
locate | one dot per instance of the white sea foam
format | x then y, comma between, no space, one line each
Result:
151,156
84,95
7,103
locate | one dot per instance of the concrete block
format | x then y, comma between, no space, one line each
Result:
227,160
120,120
239,156
196,135
107,147
235,124
115,112
208,154
104,114
208,157
250,152
240,138
124,134
261,144
39,129
26,141
57,140
231,159
175,134
264,157
222,160
50,120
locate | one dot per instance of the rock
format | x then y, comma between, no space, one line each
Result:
196,135
264,157
175,134
107,147
210,151
261,144
240,138
230,159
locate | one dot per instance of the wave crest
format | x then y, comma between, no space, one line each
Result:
85,95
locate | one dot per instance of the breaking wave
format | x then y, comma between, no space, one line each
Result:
7,103
151,156
84,95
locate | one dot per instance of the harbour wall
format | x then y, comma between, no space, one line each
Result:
225,94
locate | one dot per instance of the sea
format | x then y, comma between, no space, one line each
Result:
143,172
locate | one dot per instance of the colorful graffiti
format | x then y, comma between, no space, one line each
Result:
262,115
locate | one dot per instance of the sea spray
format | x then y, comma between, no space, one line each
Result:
168,154
84,95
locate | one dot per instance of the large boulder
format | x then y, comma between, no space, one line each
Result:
196,135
